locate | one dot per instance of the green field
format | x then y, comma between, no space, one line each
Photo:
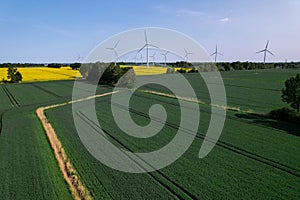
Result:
255,157
28,167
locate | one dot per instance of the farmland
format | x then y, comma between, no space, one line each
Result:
28,167
255,157
37,74
151,70
43,74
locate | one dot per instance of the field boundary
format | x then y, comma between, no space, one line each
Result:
79,191
193,100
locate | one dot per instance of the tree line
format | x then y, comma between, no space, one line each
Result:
221,66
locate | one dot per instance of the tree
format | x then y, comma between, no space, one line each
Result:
75,66
111,74
17,77
11,70
291,92
14,75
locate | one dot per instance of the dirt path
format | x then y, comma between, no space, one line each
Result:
79,191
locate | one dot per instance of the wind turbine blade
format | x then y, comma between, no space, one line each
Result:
220,54
110,48
213,54
270,52
141,48
267,45
260,51
185,51
151,45
116,44
146,39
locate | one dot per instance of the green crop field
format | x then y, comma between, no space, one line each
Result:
28,167
255,157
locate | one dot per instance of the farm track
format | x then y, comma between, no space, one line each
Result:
261,115
239,86
228,146
11,97
168,187
69,174
234,97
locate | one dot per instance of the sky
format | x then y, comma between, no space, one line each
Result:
62,30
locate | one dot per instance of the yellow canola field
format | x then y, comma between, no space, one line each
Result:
151,70
66,73
43,74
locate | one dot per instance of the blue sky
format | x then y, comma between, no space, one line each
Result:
60,30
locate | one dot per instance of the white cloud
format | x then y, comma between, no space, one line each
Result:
226,19
188,12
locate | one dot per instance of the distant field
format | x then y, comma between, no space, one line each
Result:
43,74
37,74
151,70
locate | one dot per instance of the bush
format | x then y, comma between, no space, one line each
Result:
128,79
181,70
85,69
14,75
170,71
75,66
291,92
54,65
111,74
285,114
193,70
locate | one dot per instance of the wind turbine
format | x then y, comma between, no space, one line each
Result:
79,57
135,59
153,57
216,53
165,55
187,55
125,58
265,52
114,49
146,45
141,58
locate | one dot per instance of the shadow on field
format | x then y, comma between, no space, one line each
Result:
290,128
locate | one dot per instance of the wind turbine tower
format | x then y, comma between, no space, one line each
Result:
216,53
153,58
265,50
165,55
